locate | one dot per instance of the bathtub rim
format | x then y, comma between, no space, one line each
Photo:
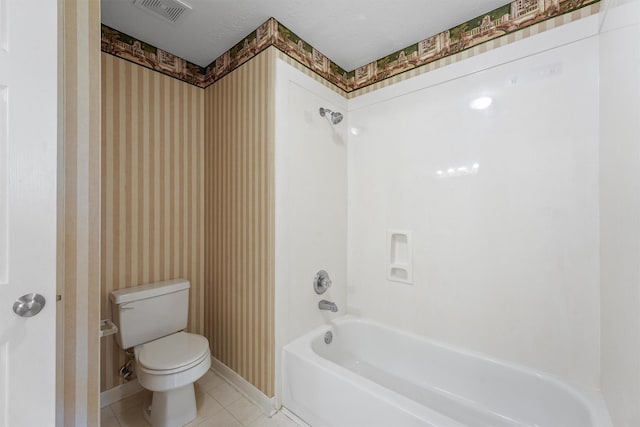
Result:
591,398
328,367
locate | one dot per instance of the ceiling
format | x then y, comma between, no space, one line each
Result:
352,33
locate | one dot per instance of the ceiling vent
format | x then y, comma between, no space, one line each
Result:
169,10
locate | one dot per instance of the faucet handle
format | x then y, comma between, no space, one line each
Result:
321,282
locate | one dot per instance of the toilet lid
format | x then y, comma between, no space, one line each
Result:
173,351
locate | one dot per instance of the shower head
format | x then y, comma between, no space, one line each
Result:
334,117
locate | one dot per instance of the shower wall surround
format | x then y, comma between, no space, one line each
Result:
152,190
310,205
620,210
502,202
508,23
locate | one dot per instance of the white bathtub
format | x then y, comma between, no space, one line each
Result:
374,375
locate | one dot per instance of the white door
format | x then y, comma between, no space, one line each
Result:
28,168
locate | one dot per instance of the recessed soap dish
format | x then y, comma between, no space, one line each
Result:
400,263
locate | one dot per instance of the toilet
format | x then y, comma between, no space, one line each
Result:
151,319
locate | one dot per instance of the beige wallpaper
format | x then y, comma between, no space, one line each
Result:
161,204
152,189
239,220
79,214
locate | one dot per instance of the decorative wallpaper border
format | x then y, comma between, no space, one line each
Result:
131,49
504,20
537,28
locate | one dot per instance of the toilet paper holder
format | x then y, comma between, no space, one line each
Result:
107,327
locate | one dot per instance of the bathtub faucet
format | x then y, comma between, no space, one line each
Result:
328,305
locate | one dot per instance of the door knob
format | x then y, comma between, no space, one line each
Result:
28,305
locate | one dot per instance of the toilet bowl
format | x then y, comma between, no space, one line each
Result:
151,319
168,367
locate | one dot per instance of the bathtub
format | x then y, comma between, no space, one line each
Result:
373,375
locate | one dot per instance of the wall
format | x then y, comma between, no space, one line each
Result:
238,228
79,214
505,259
311,203
620,210
152,189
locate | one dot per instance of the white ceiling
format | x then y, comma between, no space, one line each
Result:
352,33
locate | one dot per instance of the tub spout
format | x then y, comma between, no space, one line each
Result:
328,305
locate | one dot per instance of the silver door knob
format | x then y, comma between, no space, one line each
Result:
28,305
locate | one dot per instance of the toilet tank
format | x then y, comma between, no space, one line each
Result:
148,312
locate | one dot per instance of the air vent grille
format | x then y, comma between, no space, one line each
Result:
169,10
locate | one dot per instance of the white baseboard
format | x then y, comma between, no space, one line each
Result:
265,403
115,394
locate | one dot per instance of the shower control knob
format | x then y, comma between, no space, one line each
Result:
321,282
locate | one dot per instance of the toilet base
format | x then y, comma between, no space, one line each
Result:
173,408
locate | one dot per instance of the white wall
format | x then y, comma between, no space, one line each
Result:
620,212
505,260
311,204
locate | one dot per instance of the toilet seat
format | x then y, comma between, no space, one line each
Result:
172,354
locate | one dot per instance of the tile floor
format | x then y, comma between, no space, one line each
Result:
219,405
